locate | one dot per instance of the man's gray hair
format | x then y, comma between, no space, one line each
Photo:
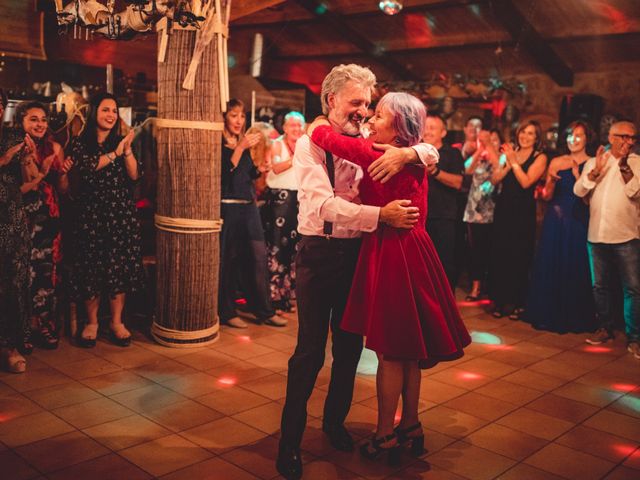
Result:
626,123
339,76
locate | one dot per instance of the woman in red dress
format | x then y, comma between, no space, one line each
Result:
400,297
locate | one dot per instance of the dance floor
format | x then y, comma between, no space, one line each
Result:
521,405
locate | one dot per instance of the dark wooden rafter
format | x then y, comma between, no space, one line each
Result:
532,42
370,49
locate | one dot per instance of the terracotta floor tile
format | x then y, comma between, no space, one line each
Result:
569,463
16,405
279,341
423,470
245,349
470,461
560,370
35,379
149,398
324,469
193,385
265,417
62,395
116,382
598,443
587,393
536,380
461,378
232,399
134,357
361,420
625,367
93,367
536,349
315,405
259,458
629,405
490,368
451,422
480,406
535,423
314,440
434,441
512,357
126,432
165,455
509,392
564,342
206,359
108,467
240,371
93,412
355,463
62,451
505,441
276,361
633,461
609,381
522,471
621,473
212,469
563,408
364,388
273,387
163,370
71,354
616,423
584,359
31,428
14,467
439,392
183,415
223,435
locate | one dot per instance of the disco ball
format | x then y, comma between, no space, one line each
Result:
390,7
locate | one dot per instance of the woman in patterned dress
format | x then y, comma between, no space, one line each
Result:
41,205
108,258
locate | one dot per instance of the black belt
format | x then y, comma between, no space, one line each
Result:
330,239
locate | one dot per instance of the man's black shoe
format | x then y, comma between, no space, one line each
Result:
339,437
289,463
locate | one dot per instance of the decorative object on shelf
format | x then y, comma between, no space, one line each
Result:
390,7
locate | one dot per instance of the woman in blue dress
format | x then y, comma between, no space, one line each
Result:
560,298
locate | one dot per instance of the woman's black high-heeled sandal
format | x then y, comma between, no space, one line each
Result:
26,347
373,449
416,441
47,339
86,342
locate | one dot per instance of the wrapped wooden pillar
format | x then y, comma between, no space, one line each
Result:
188,211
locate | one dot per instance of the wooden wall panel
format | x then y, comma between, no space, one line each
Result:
22,29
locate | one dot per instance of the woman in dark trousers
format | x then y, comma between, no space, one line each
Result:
242,240
514,223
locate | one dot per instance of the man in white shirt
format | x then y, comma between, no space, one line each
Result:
611,181
330,222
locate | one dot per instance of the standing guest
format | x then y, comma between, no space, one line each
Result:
281,213
399,298
108,259
15,250
612,181
242,239
40,203
560,298
445,181
331,220
478,213
514,223
472,129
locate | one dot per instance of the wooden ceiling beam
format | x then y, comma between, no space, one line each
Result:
343,29
242,8
528,38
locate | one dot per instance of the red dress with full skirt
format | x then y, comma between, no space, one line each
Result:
400,298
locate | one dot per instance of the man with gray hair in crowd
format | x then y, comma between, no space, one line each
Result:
611,181
330,222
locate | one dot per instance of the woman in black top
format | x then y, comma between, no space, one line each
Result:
107,239
514,223
242,243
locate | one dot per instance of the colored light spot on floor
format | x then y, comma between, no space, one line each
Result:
368,364
227,381
623,387
469,376
595,349
244,338
485,338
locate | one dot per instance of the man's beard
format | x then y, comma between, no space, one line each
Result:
352,125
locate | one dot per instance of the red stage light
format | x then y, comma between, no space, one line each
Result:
594,349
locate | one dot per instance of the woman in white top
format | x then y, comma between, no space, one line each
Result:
281,211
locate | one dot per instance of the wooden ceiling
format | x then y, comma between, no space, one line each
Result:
305,38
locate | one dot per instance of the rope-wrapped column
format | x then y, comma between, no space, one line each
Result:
188,212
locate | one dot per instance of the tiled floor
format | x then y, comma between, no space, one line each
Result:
521,405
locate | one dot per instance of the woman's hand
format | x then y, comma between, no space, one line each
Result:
510,154
30,145
125,143
67,165
249,140
46,164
